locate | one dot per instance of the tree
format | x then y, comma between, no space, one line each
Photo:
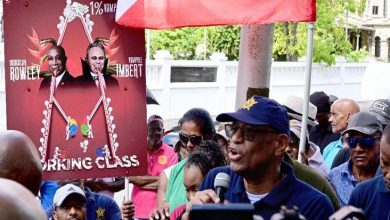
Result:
329,38
184,42
180,42
289,38
225,39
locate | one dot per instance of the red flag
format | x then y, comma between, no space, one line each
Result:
169,14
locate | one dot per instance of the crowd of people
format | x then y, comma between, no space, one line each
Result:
345,161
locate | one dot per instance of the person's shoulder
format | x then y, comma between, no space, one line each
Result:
311,177
208,181
305,172
223,169
82,79
102,199
370,185
179,167
168,149
110,80
331,145
337,170
309,193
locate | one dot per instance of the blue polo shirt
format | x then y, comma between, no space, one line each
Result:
373,197
47,191
289,192
343,181
98,206
331,151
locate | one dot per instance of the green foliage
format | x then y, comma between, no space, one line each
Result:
329,37
225,39
190,43
357,56
329,34
180,42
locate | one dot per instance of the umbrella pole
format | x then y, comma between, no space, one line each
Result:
309,59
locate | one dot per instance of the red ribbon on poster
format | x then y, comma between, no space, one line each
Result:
169,14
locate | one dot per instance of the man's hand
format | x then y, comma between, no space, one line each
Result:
161,213
127,209
97,68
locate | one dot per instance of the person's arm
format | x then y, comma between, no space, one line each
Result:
145,182
162,187
97,185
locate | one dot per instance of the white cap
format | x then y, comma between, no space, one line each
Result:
294,106
63,193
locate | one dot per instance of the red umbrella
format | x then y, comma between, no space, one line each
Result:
168,14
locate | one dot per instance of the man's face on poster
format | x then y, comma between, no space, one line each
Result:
56,61
96,59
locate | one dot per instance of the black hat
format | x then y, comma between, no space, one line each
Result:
321,101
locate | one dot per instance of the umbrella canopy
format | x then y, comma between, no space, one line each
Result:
150,99
169,14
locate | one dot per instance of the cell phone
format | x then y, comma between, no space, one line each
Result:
236,211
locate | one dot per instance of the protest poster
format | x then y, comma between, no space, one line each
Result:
84,109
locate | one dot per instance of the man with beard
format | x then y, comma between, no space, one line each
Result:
259,133
69,203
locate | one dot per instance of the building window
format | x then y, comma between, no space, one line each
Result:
377,46
375,10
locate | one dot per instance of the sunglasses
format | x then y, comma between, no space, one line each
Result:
194,139
248,132
364,142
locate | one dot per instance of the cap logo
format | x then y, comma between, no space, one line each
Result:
71,189
379,106
249,103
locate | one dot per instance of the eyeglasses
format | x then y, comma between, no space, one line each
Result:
249,133
364,142
194,139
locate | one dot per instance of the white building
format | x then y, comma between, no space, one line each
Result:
371,29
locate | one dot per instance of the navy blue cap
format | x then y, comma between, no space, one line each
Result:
259,110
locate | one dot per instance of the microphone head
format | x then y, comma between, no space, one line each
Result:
222,180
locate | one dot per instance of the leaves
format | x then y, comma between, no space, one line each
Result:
195,43
329,34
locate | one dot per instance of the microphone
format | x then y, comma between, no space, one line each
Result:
221,185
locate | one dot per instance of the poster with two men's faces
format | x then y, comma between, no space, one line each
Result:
75,84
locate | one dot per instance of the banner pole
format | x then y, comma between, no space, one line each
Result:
127,196
309,60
